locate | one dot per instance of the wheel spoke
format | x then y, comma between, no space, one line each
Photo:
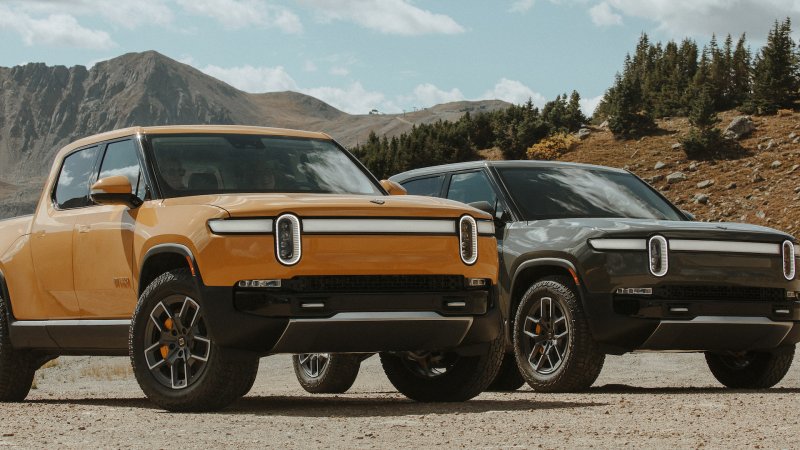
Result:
156,317
204,356
558,354
188,306
149,356
178,381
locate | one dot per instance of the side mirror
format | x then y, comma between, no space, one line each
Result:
393,188
689,215
483,206
114,190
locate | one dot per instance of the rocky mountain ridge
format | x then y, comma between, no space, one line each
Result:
43,108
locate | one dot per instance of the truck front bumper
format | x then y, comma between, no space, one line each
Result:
265,321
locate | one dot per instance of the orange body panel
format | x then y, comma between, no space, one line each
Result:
85,262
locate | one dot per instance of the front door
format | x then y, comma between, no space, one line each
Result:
103,243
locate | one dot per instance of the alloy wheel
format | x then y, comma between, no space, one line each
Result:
313,364
177,344
546,341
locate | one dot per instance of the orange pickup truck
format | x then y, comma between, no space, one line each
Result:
196,250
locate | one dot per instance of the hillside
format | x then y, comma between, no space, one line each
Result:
753,188
43,108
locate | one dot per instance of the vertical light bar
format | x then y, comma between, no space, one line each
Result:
788,260
468,239
658,255
288,248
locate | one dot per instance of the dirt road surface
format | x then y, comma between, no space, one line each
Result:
639,401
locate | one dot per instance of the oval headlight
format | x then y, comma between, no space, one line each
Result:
658,255
468,239
788,260
287,239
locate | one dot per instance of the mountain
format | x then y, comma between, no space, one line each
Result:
43,108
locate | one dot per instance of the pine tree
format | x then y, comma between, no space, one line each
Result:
739,89
775,82
627,117
704,138
574,116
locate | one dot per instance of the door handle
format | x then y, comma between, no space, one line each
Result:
83,228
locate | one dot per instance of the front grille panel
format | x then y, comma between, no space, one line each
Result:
375,283
707,292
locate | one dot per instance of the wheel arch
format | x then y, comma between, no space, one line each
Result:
4,294
535,269
162,258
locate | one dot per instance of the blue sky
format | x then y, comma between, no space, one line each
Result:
390,55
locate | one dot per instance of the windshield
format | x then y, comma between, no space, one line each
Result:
574,192
220,164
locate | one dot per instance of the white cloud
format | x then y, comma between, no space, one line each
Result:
128,14
386,16
427,94
309,66
353,99
236,14
603,16
55,30
515,92
588,105
254,79
521,5
680,18
339,71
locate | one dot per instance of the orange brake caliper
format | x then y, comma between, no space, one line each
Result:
165,349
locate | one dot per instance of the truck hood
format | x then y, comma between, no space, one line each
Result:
640,228
332,205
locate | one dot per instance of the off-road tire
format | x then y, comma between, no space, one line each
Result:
335,377
582,359
753,370
465,379
16,366
508,378
224,378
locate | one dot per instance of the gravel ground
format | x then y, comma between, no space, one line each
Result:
641,400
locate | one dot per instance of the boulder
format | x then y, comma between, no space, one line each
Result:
704,184
740,127
583,133
701,198
676,146
676,177
776,164
660,165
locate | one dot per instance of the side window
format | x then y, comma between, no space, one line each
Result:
471,187
72,189
121,159
429,187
